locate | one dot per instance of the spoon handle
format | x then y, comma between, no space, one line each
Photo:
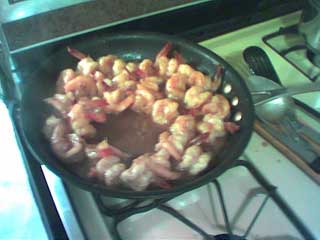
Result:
285,92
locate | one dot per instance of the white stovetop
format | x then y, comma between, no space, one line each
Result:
299,191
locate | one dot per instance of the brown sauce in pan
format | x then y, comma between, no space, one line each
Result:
133,133
136,134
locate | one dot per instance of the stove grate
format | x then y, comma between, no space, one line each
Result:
141,206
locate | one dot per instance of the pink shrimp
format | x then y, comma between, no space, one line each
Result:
218,105
81,86
68,147
64,77
217,78
164,111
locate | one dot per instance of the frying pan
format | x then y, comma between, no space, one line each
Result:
131,46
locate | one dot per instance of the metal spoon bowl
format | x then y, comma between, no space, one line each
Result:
273,110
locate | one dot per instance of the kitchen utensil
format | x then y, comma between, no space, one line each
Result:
260,64
274,111
268,95
131,46
281,111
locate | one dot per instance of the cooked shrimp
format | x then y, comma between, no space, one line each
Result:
94,109
174,144
118,66
161,157
212,125
101,83
179,142
160,164
194,160
118,100
172,67
49,126
199,79
98,76
124,81
61,102
162,171
68,147
149,84
195,97
64,77
79,121
164,111
150,88
176,87
106,65
138,177
166,144
104,163
231,127
112,85
132,67
146,68
114,97
76,53
121,106
87,66
218,105
217,78
102,150
155,79
143,101
187,70
167,66
92,152
162,59
109,170
81,86
184,124
112,174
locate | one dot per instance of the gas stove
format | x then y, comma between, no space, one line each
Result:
263,195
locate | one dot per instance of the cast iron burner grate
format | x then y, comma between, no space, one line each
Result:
315,59
298,46
293,31
227,237
141,206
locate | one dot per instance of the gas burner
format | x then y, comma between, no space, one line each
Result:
315,59
227,237
292,47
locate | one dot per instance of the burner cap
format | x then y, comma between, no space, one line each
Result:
314,58
228,237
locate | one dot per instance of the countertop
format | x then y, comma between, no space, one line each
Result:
30,22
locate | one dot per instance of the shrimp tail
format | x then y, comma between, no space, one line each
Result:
165,50
231,127
178,57
76,53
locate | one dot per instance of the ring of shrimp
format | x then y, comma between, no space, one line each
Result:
173,93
